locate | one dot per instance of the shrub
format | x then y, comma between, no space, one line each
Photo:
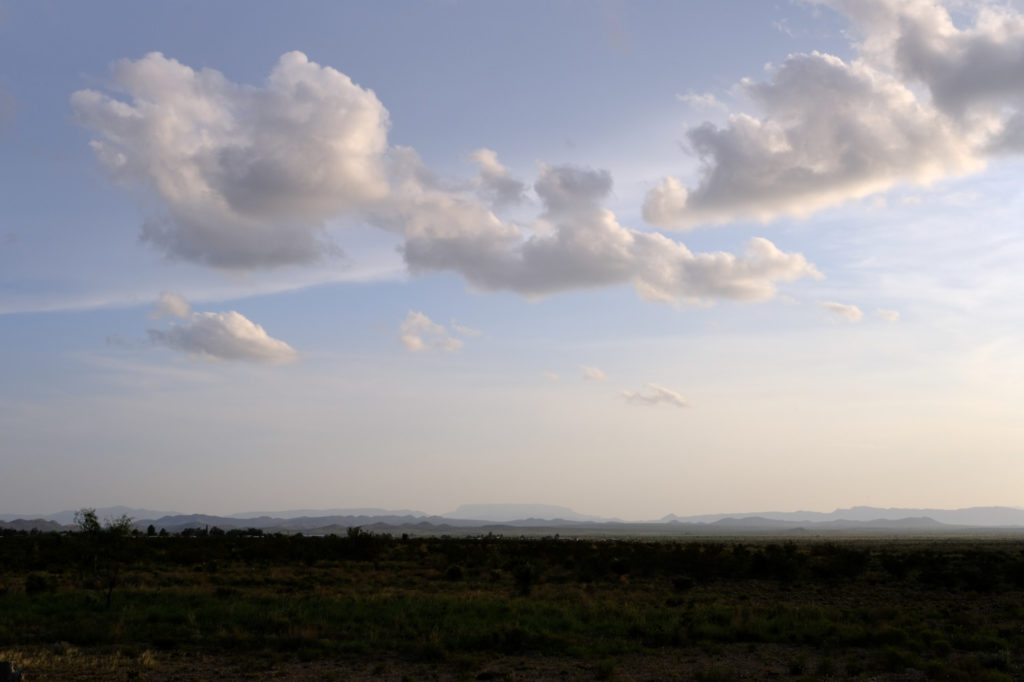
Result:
36,583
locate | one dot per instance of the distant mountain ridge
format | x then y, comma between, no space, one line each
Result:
504,518
504,513
1002,517
67,517
355,511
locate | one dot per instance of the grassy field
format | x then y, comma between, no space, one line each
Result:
359,606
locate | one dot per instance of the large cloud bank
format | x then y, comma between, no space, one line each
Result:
250,175
922,100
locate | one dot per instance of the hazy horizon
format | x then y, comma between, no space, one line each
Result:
634,259
504,512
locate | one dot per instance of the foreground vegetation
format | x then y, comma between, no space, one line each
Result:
107,604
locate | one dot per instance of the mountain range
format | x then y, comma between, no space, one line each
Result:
507,518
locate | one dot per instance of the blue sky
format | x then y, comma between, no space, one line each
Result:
632,258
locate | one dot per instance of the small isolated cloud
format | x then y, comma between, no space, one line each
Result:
463,330
701,101
551,376
782,26
223,336
653,394
420,333
170,305
889,315
593,374
850,313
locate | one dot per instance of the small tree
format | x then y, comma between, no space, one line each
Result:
120,527
87,521
103,549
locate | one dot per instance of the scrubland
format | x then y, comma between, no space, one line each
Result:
360,606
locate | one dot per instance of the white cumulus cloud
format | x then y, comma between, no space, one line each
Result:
248,174
828,131
419,333
934,89
973,68
593,374
576,243
653,394
223,336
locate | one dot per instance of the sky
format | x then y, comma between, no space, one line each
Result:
633,258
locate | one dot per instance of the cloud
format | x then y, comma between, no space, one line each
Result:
928,94
974,72
851,313
170,305
575,243
551,376
701,102
494,182
889,315
420,333
593,374
829,131
463,330
223,336
248,174
655,395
